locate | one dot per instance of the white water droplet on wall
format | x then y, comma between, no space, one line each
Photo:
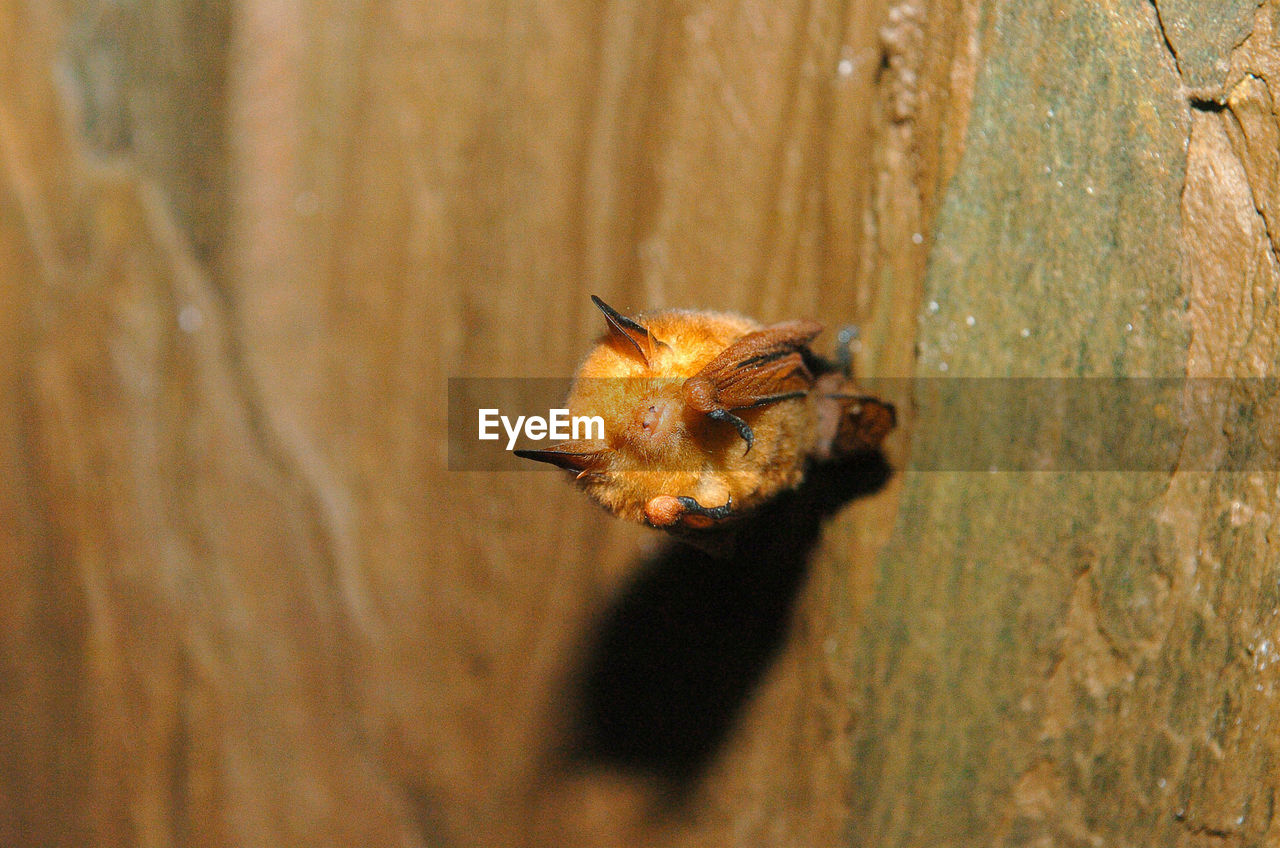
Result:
190,318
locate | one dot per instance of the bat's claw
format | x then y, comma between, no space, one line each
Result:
715,513
743,428
668,511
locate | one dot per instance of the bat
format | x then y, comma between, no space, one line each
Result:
709,414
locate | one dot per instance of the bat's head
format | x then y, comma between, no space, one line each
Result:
672,453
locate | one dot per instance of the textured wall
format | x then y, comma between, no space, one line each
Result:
243,246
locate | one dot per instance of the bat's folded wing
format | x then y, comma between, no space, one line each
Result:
759,368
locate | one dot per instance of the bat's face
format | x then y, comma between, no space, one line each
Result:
641,395
644,416
705,414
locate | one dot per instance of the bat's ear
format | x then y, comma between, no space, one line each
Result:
580,456
633,337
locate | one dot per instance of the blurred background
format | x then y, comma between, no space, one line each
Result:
245,243
244,247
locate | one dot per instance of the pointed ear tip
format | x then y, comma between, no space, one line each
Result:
614,316
539,453
537,456
549,457
565,455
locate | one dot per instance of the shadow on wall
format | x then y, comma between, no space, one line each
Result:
676,655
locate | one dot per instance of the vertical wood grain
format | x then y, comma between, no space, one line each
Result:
243,246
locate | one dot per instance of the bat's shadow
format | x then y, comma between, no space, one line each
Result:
674,657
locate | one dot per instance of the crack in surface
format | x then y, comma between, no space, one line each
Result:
1211,832
1168,45
1209,98
1239,139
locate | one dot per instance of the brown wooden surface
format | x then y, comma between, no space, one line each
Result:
242,248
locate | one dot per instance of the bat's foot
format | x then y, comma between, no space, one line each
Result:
743,428
714,513
865,423
668,511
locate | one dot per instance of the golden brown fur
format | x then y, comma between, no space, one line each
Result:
729,440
